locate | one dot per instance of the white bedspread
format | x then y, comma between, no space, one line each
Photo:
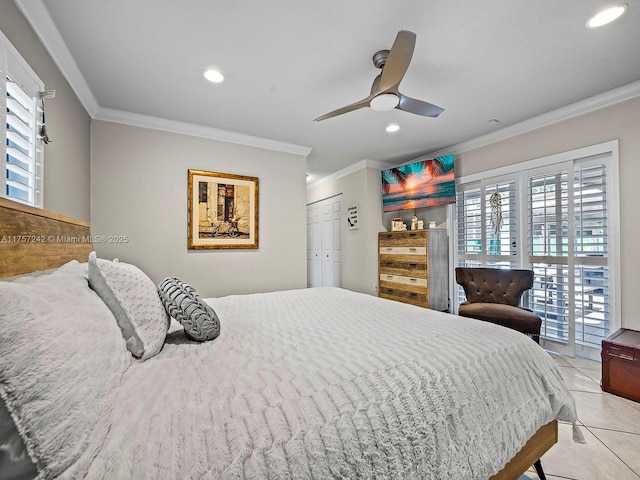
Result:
326,383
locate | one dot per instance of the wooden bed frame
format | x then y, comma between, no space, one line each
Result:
32,239
541,441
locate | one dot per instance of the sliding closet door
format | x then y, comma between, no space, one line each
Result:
324,248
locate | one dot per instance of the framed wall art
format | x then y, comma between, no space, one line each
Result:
352,217
222,210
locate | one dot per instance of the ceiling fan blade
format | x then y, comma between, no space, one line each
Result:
398,60
375,87
349,108
418,107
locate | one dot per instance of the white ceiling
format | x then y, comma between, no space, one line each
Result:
288,61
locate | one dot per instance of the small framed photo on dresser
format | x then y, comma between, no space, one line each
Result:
397,224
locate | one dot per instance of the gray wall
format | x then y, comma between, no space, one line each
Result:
139,189
66,158
430,214
621,121
359,247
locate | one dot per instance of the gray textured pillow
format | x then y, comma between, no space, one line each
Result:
183,303
133,299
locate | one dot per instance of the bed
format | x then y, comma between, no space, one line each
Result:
312,383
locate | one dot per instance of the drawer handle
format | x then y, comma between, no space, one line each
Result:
413,279
623,356
413,294
389,249
412,249
413,234
390,276
413,265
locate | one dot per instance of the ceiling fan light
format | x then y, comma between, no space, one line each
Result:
607,15
214,76
384,102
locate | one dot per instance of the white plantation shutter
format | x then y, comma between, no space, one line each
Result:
548,219
478,243
469,229
22,154
501,247
560,219
568,245
469,204
591,252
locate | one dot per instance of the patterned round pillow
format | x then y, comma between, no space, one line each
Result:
183,303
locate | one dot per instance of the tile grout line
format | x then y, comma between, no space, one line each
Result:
589,429
589,375
614,453
612,430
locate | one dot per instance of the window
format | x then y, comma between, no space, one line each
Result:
21,150
558,217
479,242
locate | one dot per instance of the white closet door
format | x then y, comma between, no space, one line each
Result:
314,246
324,247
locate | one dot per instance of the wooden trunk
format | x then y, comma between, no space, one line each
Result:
621,364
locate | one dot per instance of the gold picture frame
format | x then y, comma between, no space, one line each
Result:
222,210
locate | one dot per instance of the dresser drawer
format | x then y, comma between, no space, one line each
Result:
422,251
402,280
412,267
405,268
419,298
410,238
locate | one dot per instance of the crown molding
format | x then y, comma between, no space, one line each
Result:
173,126
366,163
38,17
596,102
40,20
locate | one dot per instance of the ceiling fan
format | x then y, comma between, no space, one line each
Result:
384,91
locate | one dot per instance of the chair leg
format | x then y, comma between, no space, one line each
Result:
539,471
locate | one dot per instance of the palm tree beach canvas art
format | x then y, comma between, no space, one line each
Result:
425,183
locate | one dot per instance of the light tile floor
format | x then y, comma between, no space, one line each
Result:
610,424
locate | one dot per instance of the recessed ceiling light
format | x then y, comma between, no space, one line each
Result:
214,76
607,15
392,128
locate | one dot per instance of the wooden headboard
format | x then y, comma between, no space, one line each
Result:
33,239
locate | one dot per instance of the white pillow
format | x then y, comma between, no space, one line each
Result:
61,360
133,299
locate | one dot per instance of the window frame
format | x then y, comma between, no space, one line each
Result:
13,65
522,171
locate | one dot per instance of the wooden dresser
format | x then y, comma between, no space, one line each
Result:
413,267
